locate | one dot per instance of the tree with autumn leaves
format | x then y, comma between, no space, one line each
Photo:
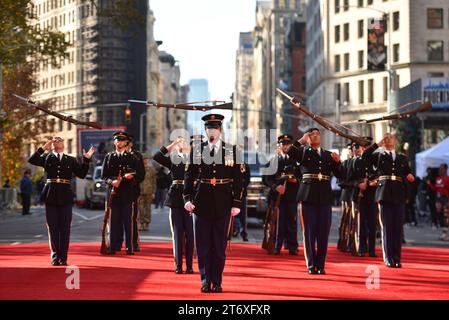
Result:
22,47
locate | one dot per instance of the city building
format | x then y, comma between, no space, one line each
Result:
408,41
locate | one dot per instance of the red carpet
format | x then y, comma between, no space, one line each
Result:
250,273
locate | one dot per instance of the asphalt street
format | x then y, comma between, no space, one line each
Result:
86,227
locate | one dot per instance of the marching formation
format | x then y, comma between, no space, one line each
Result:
209,182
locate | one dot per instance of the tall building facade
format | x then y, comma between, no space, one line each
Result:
106,66
243,116
278,61
340,86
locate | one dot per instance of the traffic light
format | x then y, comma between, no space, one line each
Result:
128,114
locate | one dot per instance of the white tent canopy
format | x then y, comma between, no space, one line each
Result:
432,157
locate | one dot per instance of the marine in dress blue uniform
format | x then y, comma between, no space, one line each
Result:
315,196
121,163
285,182
394,172
216,196
58,194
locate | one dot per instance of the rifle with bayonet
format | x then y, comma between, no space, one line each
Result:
58,115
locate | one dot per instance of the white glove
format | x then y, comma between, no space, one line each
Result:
235,211
189,206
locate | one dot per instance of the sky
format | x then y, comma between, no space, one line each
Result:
203,36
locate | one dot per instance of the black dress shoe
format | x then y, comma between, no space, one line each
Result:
321,271
55,263
129,252
276,251
189,270
136,248
373,255
293,252
389,265
205,288
178,271
245,239
398,265
311,271
217,288
63,263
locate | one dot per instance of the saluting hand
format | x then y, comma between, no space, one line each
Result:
89,154
305,138
47,145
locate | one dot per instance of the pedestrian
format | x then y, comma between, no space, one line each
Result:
315,196
441,191
40,184
57,194
391,194
26,189
213,201
162,183
7,184
431,197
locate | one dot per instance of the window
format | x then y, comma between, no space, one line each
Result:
435,50
69,146
434,18
337,6
360,3
346,85
346,5
396,21
361,92
396,52
370,90
370,2
337,34
338,91
361,29
361,59
435,75
61,125
346,61
337,63
346,31
385,87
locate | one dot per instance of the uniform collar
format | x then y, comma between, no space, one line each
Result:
216,145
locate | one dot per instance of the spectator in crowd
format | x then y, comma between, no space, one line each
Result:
441,191
162,184
26,188
7,184
430,179
40,184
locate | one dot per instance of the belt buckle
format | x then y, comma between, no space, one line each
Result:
393,178
213,181
320,176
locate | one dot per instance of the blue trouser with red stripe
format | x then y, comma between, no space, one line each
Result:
316,220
